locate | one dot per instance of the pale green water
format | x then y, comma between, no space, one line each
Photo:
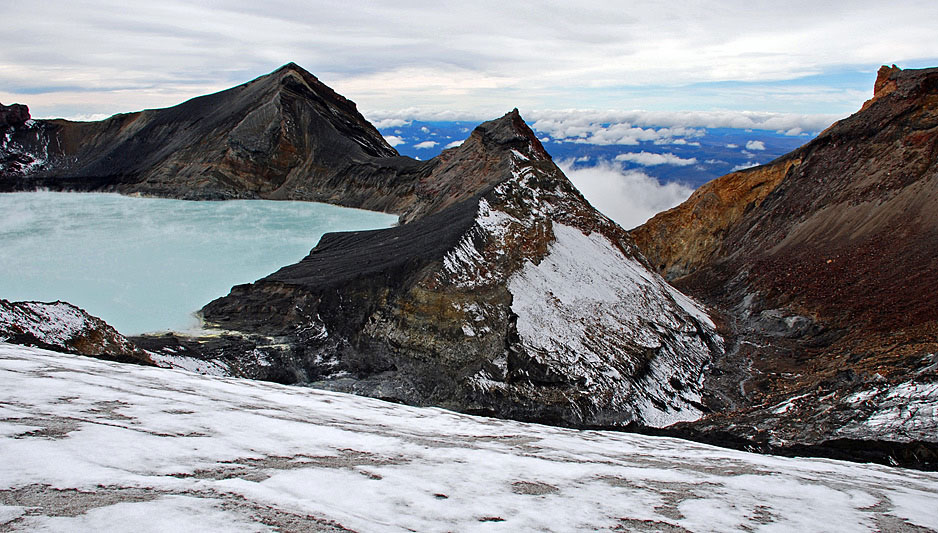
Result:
145,264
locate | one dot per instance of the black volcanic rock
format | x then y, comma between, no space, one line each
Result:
282,136
825,265
62,327
13,115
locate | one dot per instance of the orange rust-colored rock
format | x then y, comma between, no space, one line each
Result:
681,239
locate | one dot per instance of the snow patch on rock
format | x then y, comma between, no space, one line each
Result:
55,323
599,315
906,411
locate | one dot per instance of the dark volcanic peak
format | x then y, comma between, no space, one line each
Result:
482,161
825,262
503,293
283,135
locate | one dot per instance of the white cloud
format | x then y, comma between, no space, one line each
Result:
755,145
629,197
426,144
391,123
731,145
744,166
424,129
394,140
454,144
665,126
589,128
649,159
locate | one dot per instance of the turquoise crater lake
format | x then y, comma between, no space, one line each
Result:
147,264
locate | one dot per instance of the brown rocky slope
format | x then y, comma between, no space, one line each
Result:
824,263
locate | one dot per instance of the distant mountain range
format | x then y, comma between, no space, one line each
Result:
504,292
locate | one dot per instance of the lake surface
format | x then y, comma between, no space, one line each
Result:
147,264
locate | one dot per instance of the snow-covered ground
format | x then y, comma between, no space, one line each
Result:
88,445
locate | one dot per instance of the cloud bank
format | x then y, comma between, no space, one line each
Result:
632,127
628,197
649,159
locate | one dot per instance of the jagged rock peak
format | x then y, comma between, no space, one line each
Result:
511,130
503,292
908,82
13,115
882,78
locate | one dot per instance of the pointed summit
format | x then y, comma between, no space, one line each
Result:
282,135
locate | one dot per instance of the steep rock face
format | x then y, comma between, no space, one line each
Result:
506,293
61,327
285,135
825,269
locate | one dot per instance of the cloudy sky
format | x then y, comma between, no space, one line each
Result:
468,60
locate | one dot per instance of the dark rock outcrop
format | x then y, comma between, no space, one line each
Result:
13,116
825,265
62,327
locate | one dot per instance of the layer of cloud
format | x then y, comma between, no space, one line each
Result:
629,197
394,140
630,127
390,123
650,159
473,57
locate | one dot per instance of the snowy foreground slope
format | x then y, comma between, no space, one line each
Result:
89,445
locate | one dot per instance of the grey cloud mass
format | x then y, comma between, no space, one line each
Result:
468,58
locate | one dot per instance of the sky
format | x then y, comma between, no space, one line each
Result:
465,60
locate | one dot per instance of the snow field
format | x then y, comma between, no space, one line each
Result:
92,445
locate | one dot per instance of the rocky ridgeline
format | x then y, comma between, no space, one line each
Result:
502,291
